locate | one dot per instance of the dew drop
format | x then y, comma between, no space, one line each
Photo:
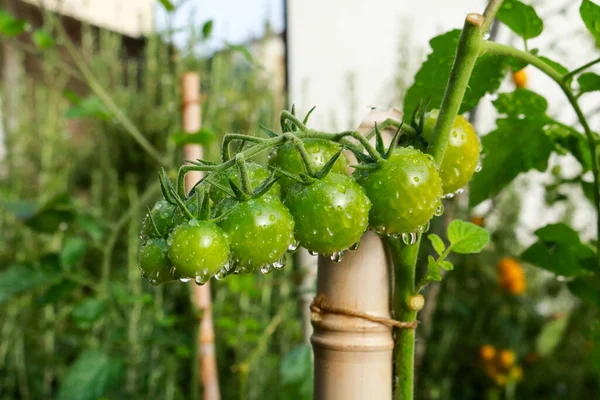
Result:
312,253
409,238
184,280
448,196
265,269
439,210
293,246
459,191
201,279
354,247
479,167
280,263
336,256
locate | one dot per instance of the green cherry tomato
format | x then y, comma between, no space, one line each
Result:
405,190
198,249
257,174
154,261
331,214
261,231
320,151
162,213
462,153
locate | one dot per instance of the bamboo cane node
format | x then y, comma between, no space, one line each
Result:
320,306
190,102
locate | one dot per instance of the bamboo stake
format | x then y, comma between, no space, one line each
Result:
353,356
201,294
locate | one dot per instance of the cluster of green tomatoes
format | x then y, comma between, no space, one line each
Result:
242,217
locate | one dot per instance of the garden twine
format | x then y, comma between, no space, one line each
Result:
320,305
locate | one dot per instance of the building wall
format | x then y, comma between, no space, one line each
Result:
133,18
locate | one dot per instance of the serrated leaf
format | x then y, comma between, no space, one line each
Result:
520,18
437,243
559,250
73,250
588,82
11,26
447,265
587,289
207,29
590,14
19,279
204,136
519,143
551,335
432,77
167,4
433,270
90,377
467,238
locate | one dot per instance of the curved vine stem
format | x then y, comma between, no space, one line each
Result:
560,79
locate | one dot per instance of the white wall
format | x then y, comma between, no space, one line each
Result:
129,17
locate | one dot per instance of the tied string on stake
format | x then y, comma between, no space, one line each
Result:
320,305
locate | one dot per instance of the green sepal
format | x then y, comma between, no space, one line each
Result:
379,146
394,143
203,199
224,215
152,222
265,185
329,165
179,202
308,115
415,115
288,174
307,179
365,167
269,132
362,157
237,192
166,187
222,188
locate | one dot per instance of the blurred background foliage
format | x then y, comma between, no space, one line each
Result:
78,322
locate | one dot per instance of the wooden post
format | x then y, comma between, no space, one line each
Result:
353,356
201,294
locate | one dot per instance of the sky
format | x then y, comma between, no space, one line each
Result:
235,21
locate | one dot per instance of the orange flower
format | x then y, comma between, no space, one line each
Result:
511,276
506,359
477,220
487,352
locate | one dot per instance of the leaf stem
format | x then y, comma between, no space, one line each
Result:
498,48
467,53
490,14
571,74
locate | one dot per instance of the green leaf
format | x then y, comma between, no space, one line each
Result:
11,26
42,39
437,243
90,377
551,335
91,225
520,18
57,292
87,312
73,250
204,136
19,279
590,14
587,289
559,67
207,29
90,107
467,238
432,77
243,50
519,143
447,265
296,370
167,4
559,250
433,273
588,82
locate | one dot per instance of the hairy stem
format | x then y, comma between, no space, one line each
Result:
466,55
404,258
559,78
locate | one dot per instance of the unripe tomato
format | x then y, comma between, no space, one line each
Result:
162,213
320,151
257,174
405,190
520,78
154,261
331,214
261,231
198,249
462,153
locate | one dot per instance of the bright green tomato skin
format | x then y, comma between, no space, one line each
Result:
320,151
462,153
260,230
198,248
405,191
154,261
162,213
257,174
331,214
